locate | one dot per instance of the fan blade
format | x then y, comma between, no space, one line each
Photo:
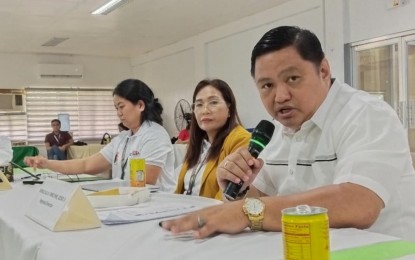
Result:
181,108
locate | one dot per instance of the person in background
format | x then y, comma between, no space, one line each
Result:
215,132
184,135
57,142
334,147
122,127
146,138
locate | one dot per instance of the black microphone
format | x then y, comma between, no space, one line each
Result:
260,138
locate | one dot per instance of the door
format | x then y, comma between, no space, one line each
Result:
409,55
376,70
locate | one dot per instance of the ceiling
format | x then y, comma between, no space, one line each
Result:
135,28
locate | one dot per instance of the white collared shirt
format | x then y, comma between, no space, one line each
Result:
152,143
353,137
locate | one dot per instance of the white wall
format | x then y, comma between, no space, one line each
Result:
21,70
372,18
173,72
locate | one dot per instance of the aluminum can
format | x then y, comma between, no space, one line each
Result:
137,172
305,232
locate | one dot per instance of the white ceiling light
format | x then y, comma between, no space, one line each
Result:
109,7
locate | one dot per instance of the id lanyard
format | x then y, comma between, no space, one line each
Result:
123,159
195,172
57,138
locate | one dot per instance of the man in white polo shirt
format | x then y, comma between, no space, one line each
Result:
334,147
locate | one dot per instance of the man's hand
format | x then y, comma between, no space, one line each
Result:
226,218
36,162
238,166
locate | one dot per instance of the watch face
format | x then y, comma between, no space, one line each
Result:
254,206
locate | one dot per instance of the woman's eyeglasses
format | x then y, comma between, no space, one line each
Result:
210,105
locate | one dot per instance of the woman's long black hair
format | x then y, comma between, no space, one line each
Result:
197,135
135,90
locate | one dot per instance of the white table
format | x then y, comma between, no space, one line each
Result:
23,239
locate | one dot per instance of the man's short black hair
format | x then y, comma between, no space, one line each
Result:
304,41
55,120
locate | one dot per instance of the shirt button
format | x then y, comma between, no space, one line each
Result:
298,138
291,172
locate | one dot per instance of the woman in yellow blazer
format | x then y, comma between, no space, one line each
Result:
215,132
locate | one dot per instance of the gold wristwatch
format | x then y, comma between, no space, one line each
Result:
254,210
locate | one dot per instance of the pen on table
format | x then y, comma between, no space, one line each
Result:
27,177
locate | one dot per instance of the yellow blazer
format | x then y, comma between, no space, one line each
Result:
238,137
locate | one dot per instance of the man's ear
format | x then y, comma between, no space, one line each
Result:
325,70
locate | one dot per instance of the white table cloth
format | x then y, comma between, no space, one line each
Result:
23,239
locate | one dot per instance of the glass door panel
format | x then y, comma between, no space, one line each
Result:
376,71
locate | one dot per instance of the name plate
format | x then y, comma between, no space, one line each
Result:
4,182
61,206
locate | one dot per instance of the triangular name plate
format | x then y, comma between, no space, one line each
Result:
61,206
4,183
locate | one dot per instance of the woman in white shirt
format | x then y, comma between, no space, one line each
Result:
146,138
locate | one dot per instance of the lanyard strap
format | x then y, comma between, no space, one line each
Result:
57,138
195,172
124,160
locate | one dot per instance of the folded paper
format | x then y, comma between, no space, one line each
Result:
61,206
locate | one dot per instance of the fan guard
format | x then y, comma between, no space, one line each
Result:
182,114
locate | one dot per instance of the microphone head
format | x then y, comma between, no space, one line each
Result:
261,136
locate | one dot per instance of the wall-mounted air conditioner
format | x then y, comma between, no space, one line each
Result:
12,101
60,70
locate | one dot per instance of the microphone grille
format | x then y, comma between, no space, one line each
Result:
264,131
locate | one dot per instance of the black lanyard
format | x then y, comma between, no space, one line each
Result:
123,159
195,172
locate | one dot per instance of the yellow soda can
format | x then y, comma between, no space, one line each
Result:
137,172
305,232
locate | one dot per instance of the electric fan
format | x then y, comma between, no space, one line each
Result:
182,114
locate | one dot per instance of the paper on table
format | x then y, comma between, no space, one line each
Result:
143,212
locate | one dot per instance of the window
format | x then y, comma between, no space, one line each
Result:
91,112
14,126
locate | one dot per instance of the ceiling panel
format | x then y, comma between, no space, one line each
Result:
137,27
